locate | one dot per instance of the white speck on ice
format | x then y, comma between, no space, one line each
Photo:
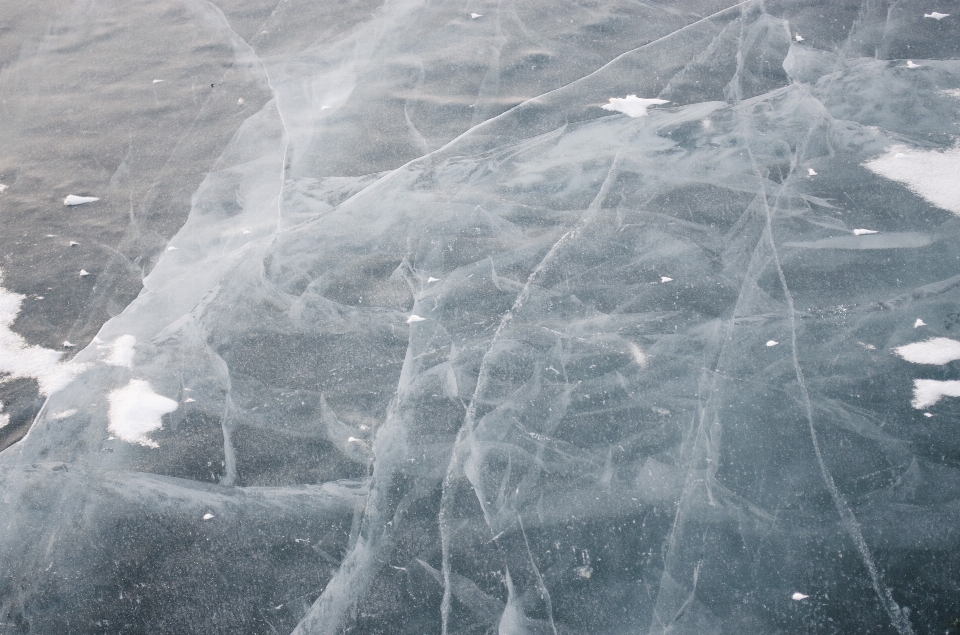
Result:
122,351
798,37
189,400
864,232
135,412
432,279
64,414
474,16
208,516
919,323
632,106
18,359
157,81
84,272
939,350
931,174
927,392
665,279
245,231
910,64
869,347
811,172
73,199
927,414
936,16
798,596
240,101
67,344
74,243
772,342
2,187
171,248
415,318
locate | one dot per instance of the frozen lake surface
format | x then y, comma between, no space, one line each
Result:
515,317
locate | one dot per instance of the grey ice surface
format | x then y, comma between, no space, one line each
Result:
438,344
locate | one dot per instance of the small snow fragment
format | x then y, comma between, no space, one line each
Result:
585,571
415,318
927,414
665,279
240,101
936,16
632,106
84,272
157,81
772,342
474,16
869,347
171,248
67,344
72,199
919,323
2,187
122,351
798,596
325,107
64,414
432,279
863,232
353,440
910,64
189,400
811,172
136,411
798,37
74,243
938,350
208,516
927,392
39,297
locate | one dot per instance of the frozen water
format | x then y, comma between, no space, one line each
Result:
448,344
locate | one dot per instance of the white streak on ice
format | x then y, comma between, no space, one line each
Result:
64,414
122,351
665,279
18,359
936,16
136,411
474,16
931,174
939,350
911,64
4,418
415,318
632,106
73,199
864,232
798,596
772,342
927,392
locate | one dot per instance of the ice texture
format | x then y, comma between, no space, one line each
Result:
416,364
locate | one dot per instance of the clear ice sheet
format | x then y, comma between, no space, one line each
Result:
650,385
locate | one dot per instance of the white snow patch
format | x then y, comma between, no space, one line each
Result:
864,232
64,414
919,323
811,172
122,351
171,248
136,411
2,187
637,354
68,344
936,16
415,318
157,81
74,243
84,272
4,418
927,414
665,279
931,174
189,400
18,359
939,350
432,279
798,37
208,516
953,92
474,16
798,596
632,106
772,342
240,101
927,392
73,199
911,64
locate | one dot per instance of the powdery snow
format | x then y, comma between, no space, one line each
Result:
122,351
632,106
931,174
939,350
927,392
136,411
73,199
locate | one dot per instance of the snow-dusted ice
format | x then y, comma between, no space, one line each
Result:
73,200
397,325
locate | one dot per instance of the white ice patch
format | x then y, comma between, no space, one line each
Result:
415,318
18,359
798,596
79,200
136,411
931,174
939,350
919,323
122,351
64,414
864,232
927,392
632,106
936,16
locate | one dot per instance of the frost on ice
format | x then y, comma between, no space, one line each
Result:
136,411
